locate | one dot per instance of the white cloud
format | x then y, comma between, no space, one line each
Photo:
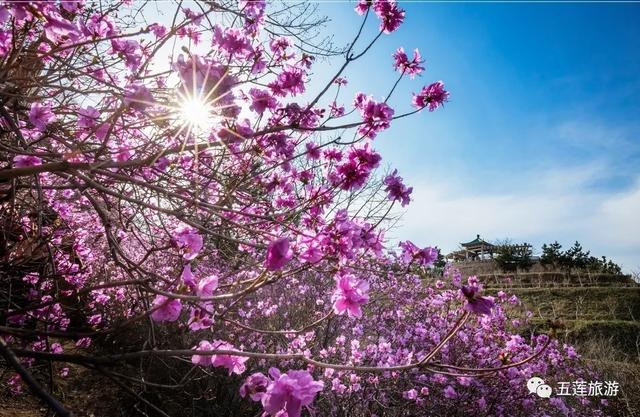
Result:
593,135
558,205
620,215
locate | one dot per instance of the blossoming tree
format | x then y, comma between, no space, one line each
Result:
183,216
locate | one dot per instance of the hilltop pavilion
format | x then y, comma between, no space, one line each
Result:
478,249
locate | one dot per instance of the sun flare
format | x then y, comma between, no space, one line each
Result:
196,114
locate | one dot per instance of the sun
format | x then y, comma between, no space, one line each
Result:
196,114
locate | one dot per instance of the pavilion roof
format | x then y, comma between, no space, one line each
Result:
477,242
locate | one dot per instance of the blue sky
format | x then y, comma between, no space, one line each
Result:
541,139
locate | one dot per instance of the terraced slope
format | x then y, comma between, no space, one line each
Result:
599,314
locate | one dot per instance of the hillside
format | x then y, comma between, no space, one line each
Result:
599,314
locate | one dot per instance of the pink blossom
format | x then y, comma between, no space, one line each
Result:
279,254
353,173
95,319
261,100
450,392
396,190
259,61
32,278
234,364
84,342
255,386
365,156
349,176
310,250
202,360
232,42
199,319
571,351
24,161
158,30
313,150
130,50
475,303
5,15
168,309
403,65
307,60
41,116
410,395
189,241
362,6
376,116
99,25
72,6
15,384
290,81
138,97
103,130
301,116
187,276
123,153
290,392
6,39
340,81
190,32
194,17
349,295
207,286
240,132
58,28
332,154
335,110
412,254
279,48
391,16
21,12
252,9
87,117
432,96
161,163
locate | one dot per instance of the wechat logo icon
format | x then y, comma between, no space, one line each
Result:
537,386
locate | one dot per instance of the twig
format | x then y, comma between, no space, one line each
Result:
35,386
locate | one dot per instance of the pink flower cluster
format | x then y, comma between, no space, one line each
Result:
396,190
233,42
432,96
291,81
353,173
376,116
24,161
189,241
166,309
411,254
233,363
390,15
266,229
279,253
411,67
350,295
282,393
41,116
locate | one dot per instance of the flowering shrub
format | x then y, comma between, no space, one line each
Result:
209,200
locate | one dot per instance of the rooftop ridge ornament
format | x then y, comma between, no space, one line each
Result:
477,241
